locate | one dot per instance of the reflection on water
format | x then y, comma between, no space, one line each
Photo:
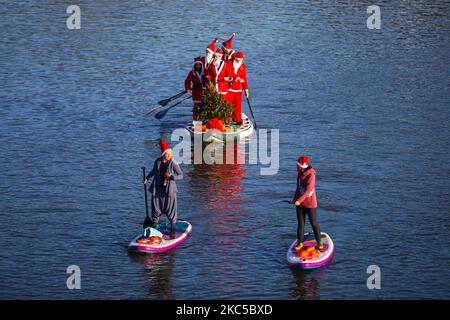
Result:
305,286
219,188
158,269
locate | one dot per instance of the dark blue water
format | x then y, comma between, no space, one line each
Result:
370,107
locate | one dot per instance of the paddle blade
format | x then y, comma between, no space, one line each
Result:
164,102
147,223
161,114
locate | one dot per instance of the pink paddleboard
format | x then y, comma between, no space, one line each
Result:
323,258
182,231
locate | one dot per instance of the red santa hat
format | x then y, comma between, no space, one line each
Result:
198,60
303,162
239,55
212,46
164,146
227,43
218,52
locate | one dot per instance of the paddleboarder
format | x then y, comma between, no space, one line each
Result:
163,187
217,73
195,82
238,83
306,202
209,54
229,53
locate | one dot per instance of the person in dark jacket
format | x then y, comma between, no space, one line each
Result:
163,187
305,201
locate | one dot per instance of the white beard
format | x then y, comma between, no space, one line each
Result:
217,63
236,65
208,58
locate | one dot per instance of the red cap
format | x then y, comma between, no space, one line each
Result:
227,43
211,47
303,162
219,51
239,55
198,60
164,146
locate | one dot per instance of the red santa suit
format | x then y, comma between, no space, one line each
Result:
216,72
226,47
209,54
195,81
236,70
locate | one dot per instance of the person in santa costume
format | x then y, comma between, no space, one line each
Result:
306,202
209,54
238,79
163,187
229,53
195,82
217,73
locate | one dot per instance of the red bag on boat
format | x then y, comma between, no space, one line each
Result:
216,123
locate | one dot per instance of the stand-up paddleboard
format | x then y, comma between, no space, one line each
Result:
231,132
182,232
308,257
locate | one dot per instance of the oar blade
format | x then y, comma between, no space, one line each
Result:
161,114
147,223
164,102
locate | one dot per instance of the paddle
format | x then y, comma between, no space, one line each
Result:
166,101
153,110
147,221
162,113
251,111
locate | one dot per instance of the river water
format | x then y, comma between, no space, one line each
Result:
370,107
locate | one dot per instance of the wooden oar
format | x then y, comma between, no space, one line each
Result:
162,113
166,101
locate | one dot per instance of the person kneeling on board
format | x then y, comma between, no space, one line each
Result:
306,202
163,187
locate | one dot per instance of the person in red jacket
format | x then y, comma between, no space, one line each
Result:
229,53
195,82
209,54
306,202
217,73
238,79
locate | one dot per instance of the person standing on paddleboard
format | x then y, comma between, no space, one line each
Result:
163,187
306,202
209,54
229,53
238,84
217,73
194,82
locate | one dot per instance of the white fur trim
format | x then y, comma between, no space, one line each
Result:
165,151
302,165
